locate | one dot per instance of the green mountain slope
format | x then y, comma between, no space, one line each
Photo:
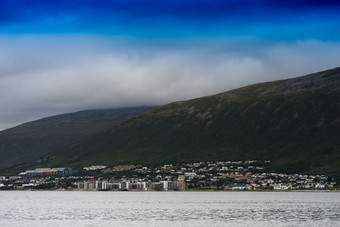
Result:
29,141
294,123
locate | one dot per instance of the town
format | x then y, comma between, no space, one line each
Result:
219,175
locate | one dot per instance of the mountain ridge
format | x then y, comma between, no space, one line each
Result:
294,123
29,141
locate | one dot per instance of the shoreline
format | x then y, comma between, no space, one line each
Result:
175,191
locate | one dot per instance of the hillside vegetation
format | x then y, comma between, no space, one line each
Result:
294,123
29,141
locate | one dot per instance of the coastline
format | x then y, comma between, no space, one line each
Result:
174,191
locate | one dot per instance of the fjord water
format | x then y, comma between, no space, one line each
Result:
55,208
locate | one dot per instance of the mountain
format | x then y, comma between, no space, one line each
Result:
30,141
294,123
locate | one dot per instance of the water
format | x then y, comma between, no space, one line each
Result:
51,208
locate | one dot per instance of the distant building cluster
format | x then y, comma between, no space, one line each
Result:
119,168
224,175
94,167
221,175
48,172
126,185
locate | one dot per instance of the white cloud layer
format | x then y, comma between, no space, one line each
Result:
42,76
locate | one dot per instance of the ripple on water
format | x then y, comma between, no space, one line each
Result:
169,208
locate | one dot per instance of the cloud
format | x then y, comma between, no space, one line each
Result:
47,75
65,55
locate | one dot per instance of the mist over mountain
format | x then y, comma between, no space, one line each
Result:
294,123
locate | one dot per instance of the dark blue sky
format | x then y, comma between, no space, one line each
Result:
279,20
59,56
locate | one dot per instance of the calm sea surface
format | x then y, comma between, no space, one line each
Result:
50,208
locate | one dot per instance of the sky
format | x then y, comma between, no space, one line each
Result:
59,56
